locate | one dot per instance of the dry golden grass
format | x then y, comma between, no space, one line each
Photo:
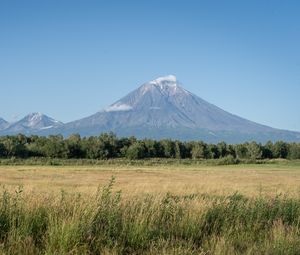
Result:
250,180
44,220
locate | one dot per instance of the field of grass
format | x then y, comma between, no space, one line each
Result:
150,209
249,180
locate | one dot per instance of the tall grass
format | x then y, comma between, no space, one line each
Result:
110,222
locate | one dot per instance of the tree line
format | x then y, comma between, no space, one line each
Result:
108,145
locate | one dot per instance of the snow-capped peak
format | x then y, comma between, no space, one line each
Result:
167,85
34,119
165,80
35,116
38,120
33,122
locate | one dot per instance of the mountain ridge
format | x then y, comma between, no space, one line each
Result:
32,123
162,108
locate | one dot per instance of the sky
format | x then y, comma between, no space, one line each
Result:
70,58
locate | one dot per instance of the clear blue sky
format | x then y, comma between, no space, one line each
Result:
70,59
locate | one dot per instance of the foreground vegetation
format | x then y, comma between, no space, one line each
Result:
108,146
109,222
154,206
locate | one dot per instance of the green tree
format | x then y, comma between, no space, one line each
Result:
294,151
280,149
222,147
136,151
241,151
74,147
15,146
169,148
199,150
55,147
213,151
267,150
2,150
254,150
107,143
178,150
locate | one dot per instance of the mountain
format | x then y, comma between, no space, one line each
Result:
158,109
32,124
163,109
3,124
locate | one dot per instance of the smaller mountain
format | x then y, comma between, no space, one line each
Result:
3,124
32,123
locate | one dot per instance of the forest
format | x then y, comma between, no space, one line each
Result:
109,146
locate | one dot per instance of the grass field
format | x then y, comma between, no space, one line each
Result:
250,180
161,209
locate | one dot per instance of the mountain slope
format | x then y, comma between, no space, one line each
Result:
163,109
3,124
32,123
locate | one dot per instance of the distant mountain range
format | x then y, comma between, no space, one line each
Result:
33,123
158,109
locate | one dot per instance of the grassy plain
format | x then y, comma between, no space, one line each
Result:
249,179
161,209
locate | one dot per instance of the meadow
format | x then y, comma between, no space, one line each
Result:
113,207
